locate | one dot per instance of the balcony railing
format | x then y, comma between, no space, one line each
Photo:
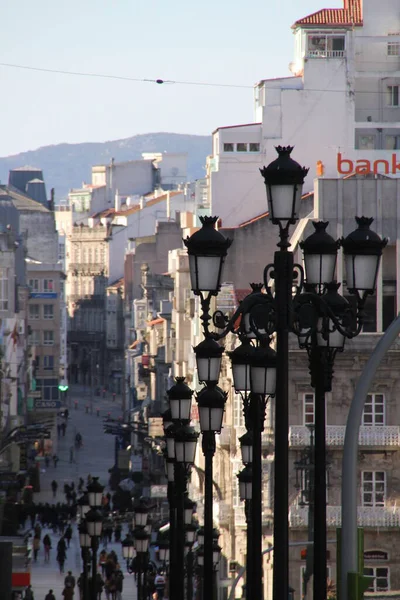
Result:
267,436
381,436
367,516
326,53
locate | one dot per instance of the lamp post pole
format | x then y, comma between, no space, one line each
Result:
180,487
249,553
208,447
257,410
173,565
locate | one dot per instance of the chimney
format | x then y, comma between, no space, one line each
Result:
51,201
168,205
117,204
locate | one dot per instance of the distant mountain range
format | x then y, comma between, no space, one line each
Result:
66,166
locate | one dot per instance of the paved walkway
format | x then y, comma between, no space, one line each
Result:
95,457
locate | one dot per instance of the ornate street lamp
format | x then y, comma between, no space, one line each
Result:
163,551
95,493
320,256
207,249
284,180
83,505
180,400
246,447
94,522
362,250
208,360
141,541
128,549
185,445
141,513
245,478
263,371
241,359
211,402
85,543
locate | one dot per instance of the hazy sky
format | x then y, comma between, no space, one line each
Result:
213,41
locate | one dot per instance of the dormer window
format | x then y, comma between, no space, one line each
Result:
323,45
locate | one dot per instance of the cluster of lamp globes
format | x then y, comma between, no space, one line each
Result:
91,523
181,442
254,367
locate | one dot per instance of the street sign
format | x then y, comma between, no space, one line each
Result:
158,491
47,404
36,394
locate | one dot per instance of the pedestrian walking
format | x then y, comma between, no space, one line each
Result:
36,547
54,486
99,586
68,593
71,454
29,593
47,547
102,561
63,428
68,534
47,461
50,596
159,584
69,581
55,460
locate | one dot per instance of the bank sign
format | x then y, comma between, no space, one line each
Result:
362,166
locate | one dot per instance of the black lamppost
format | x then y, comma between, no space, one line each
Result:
128,549
321,319
185,450
94,522
181,443
141,541
211,402
85,544
190,539
245,492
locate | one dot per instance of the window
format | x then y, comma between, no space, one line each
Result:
373,488
48,311
241,147
48,285
228,147
308,409
48,363
393,95
393,48
326,46
374,410
381,578
34,285
34,311
392,142
61,251
34,338
62,289
3,289
238,417
254,147
366,142
48,338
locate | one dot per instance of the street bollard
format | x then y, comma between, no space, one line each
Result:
76,404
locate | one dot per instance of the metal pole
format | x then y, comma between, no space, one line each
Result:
189,566
283,268
317,373
173,565
208,445
249,560
180,530
256,572
85,586
95,545
350,450
139,579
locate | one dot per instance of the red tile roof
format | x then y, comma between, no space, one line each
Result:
349,15
155,321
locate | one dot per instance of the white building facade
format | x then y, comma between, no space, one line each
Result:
340,108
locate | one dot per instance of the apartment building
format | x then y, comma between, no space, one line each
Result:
339,107
44,320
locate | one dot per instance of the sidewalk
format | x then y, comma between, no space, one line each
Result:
95,457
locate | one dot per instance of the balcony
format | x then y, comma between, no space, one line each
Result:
386,436
326,53
267,436
368,516
240,517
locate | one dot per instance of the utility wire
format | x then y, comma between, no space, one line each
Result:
123,78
